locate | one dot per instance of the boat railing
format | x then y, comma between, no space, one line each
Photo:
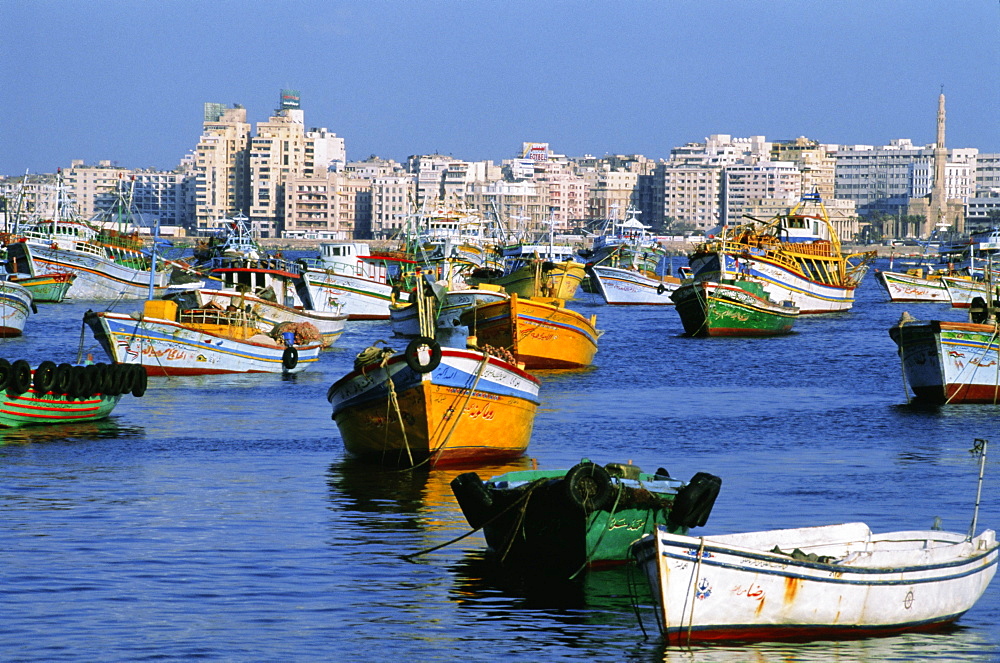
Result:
216,316
265,263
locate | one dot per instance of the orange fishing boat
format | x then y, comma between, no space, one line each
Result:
539,332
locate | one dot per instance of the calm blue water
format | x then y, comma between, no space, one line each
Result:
217,518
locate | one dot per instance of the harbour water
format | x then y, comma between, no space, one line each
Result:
217,517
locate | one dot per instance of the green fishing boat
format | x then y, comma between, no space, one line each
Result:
561,522
46,287
732,307
63,393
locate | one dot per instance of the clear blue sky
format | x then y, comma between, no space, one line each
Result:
126,81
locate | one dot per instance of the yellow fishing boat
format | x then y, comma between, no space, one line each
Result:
539,332
434,405
535,271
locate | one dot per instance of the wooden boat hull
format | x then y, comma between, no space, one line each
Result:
329,325
97,277
738,587
361,298
708,308
559,280
165,347
783,280
950,362
961,291
31,409
909,288
470,408
50,288
629,286
539,333
562,521
404,317
15,306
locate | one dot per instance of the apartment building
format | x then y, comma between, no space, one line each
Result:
609,190
392,199
520,206
746,188
333,206
221,174
568,194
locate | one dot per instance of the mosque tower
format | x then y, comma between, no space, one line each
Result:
938,208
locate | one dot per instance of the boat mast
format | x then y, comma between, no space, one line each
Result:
979,448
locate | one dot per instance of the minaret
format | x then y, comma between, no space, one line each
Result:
938,208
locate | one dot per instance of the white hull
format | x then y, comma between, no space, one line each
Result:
329,325
781,284
627,286
961,292
96,277
737,587
15,305
361,298
165,347
908,288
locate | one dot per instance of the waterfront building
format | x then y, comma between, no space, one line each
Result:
522,208
220,169
777,181
331,206
392,204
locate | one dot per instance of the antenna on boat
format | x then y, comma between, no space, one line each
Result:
979,448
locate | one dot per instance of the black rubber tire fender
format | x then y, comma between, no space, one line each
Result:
695,500
660,289
63,379
45,378
412,354
139,380
126,378
588,486
98,378
290,358
80,382
978,312
20,377
4,373
473,498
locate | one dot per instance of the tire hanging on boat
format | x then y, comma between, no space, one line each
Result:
695,500
80,382
138,380
473,498
45,378
979,313
660,289
20,377
290,358
588,485
413,354
98,376
4,373
63,379
126,378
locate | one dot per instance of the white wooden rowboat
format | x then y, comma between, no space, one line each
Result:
813,583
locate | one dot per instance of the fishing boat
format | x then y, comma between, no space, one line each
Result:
49,288
176,336
796,256
539,332
434,406
16,303
812,583
563,521
913,285
535,270
963,289
439,305
951,362
626,264
348,275
107,256
734,307
329,326
63,393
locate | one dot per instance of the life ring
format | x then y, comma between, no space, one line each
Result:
660,289
45,378
20,377
139,378
63,379
695,500
290,358
588,486
4,373
418,349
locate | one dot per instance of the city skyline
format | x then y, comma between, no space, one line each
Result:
475,80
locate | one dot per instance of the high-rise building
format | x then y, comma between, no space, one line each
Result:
220,167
